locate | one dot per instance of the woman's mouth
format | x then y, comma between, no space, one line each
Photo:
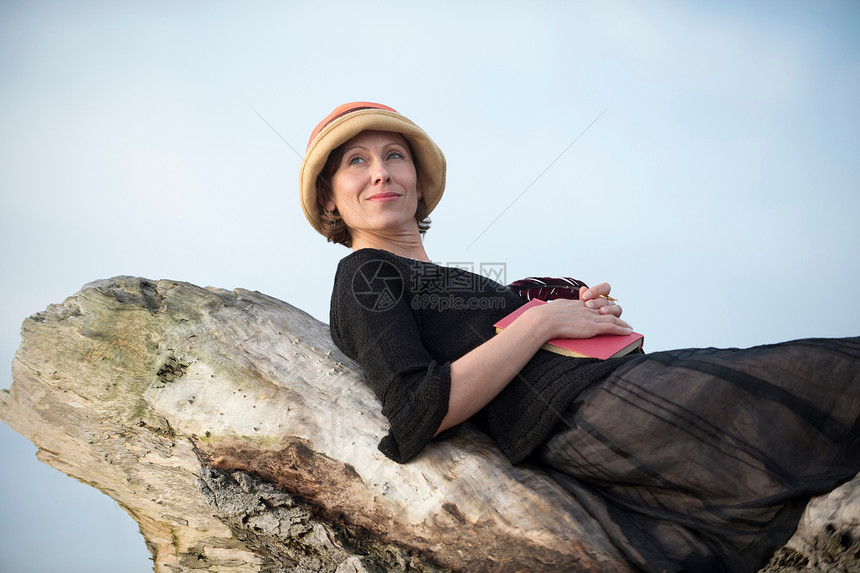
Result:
382,197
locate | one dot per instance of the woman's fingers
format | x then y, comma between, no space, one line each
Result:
597,298
605,306
611,308
596,293
611,319
602,289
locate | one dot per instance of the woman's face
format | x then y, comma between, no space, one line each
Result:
375,185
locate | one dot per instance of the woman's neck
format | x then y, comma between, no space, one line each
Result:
406,246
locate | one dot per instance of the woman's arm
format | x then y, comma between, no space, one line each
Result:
478,376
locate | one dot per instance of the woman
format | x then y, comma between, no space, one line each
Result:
698,460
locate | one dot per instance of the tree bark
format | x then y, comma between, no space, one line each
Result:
231,429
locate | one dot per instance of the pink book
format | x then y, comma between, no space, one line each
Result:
602,346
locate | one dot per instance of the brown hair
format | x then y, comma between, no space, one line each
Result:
334,229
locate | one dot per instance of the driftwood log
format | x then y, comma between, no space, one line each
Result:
240,439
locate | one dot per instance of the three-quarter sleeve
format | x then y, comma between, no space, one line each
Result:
415,406
385,340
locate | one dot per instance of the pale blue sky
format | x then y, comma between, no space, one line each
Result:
717,192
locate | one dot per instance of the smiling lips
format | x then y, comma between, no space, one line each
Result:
388,196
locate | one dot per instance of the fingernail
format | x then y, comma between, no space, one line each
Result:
589,304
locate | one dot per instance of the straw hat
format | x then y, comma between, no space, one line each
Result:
347,121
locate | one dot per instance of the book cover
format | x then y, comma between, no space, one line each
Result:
602,346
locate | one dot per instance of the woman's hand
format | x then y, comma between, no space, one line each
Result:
573,319
593,314
597,297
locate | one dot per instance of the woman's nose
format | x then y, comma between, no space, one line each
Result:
380,173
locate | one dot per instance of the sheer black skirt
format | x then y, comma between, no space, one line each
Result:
703,460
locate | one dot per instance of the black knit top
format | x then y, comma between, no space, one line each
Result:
405,321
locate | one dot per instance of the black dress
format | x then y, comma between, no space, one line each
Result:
703,460
692,460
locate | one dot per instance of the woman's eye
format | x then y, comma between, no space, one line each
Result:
395,155
354,160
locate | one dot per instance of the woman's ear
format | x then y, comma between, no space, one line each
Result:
327,204
418,189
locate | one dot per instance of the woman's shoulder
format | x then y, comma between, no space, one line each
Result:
368,285
369,269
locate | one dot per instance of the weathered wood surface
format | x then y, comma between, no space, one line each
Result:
146,390
240,439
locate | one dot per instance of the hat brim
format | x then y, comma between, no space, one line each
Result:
429,160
